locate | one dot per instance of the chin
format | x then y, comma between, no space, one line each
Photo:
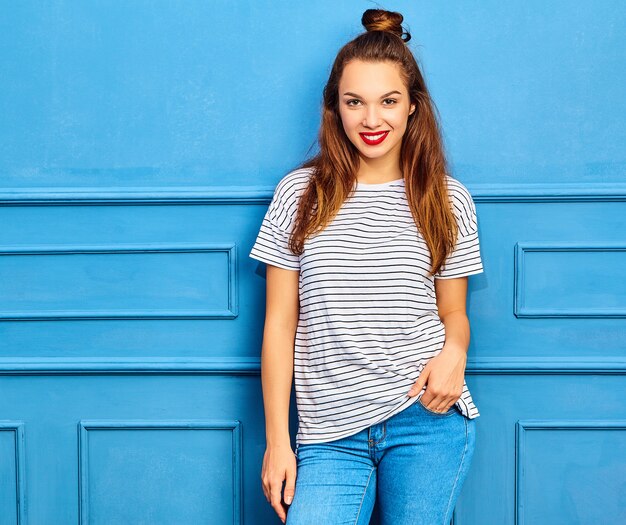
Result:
376,155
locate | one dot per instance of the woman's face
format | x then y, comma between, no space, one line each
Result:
374,107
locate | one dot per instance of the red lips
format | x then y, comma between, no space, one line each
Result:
379,137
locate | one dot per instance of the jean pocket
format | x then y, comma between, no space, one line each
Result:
448,412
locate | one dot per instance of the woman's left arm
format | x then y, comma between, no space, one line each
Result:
444,374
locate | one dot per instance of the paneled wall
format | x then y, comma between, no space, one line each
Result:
139,146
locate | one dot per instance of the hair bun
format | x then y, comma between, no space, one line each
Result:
381,20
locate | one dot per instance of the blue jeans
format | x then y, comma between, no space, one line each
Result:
412,465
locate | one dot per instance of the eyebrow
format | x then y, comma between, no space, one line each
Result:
385,95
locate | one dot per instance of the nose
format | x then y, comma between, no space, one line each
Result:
371,120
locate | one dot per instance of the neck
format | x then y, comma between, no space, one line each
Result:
374,171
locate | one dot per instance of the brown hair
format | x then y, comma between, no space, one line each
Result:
422,160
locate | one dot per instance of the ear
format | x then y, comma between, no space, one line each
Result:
412,109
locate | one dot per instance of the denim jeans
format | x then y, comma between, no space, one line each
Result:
412,465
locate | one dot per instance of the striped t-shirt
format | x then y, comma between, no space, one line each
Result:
368,319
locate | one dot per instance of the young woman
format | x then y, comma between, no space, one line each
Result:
368,247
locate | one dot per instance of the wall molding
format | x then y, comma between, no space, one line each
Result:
522,428
231,311
17,427
252,366
234,426
63,196
520,307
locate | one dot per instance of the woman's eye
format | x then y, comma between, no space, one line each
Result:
391,100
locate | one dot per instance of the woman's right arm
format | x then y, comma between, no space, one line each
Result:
281,321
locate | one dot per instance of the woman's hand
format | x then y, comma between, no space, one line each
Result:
445,374
279,464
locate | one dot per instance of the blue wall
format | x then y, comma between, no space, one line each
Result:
139,146
212,93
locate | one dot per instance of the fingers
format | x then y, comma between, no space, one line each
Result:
265,481
275,499
430,405
266,492
277,470
272,489
290,486
438,403
419,384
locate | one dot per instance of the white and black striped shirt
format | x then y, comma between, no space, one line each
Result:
368,316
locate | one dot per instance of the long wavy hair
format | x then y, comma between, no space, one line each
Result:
422,159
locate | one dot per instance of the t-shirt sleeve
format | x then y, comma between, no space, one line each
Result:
272,242
465,259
